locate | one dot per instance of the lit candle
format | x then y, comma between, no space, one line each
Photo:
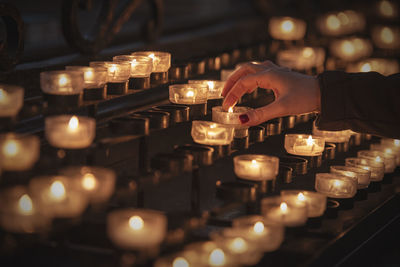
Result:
378,156
231,117
256,167
11,100
286,28
188,93
57,197
387,9
19,212
351,49
363,176
117,72
210,254
18,152
211,133
387,149
161,60
93,77
70,132
301,58
377,168
141,66
332,136
383,66
303,145
96,183
289,211
214,87
341,23
266,235
63,82
386,37
136,229
335,185
315,202
180,259
391,142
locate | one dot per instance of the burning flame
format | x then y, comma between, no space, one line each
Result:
230,110
287,26
366,67
88,75
190,93
152,56
337,183
258,228
217,257
387,35
211,85
11,148
301,197
57,191
73,124
25,205
238,245
348,48
310,141
283,207
136,223
89,181
62,80
180,262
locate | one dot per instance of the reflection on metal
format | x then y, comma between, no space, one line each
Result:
12,45
112,16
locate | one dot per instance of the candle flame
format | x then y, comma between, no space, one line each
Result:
57,191
386,8
378,159
254,163
190,93
388,151
396,142
308,52
62,80
211,85
212,126
136,222
283,207
230,110
89,181
73,123
333,22
10,148
258,227
287,26
337,183
238,245
152,56
112,69
88,75
348,48
301,197
366,67
25,205
310,141
217,257
387,35
3,96
180,262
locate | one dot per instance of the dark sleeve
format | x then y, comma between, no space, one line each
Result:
363,102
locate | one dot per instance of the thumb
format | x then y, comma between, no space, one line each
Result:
260,115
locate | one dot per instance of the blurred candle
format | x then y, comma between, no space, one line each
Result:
387,9
214,87
383,66
179,259
19,212
188,93
18,152
211,254
57,197
136,229
231,117
286,28
93,77
141,66
315,202
287,211
63,82
377,168
341,23
71,132
386,37
301,58
11,100
335,185
97,183
256,167
303,145
351,48
363,176
211,133
378,156
387,149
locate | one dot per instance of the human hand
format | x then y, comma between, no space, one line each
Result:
295,93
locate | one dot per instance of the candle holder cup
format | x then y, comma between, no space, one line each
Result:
273,127
287,211
211,133
256,134
141,68
332,209
304,145
161,65
178,113
138,125
118,73
172,163
158,119
95,79
298,164
341,188
285,174
11,101
202,155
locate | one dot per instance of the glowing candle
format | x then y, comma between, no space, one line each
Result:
211,133
93,77
315,202
386,37
64,82
378,156
231,117
387,149
256,167
71,132
136,229
387,9
286,28
57,196
377,168
18,152
97,183
302,145
332,136
363,176
214,87
19,212
301,58
211,254
141,66
161,60
180,259
383,66
11,100
335,185
351,48
188,93
288,211
341,23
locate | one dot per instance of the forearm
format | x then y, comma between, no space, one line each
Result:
362,102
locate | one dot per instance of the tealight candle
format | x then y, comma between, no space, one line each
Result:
351,49
332,136
286,28
387,9
304,145
11,100
391,142
315,202
161,60
287,211
386,37
341,23
141,68
18,152
19,212
335,185
180,259
231,117
268,236
214,87
63,82
211,254
301,58
188,93
256,167
97,183
378,156
136,229
71,132
95,79
118,73
377,168
363,176
211,133
57,197
387,149
383,66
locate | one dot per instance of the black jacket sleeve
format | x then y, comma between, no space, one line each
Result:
363,102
